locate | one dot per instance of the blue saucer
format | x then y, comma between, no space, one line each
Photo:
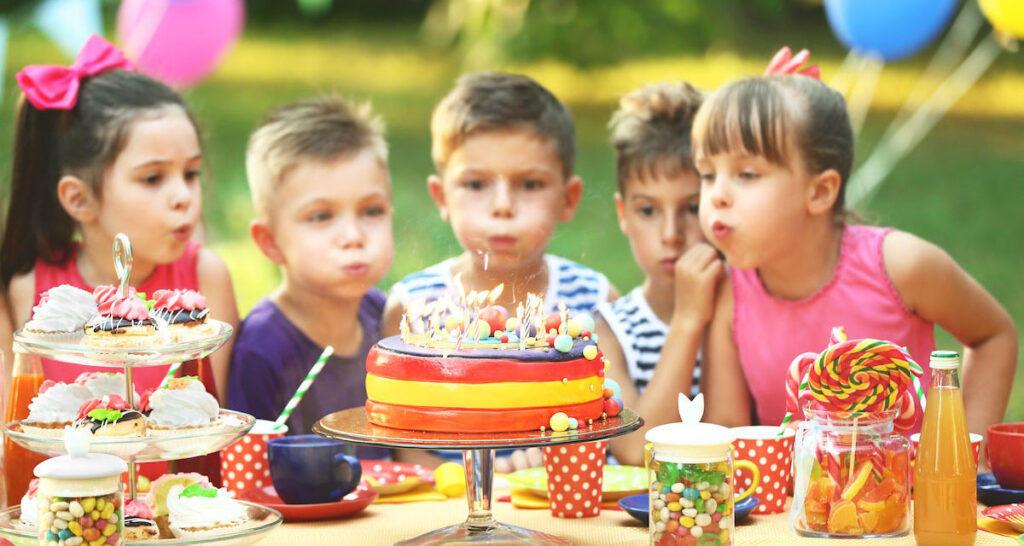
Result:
991,494
637,506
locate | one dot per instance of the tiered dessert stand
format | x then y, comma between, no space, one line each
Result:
478,454
140,449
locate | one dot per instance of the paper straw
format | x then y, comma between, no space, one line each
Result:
301,391
170,374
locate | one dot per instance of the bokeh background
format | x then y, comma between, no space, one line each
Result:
962,187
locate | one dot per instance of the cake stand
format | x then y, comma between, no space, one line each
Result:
478,454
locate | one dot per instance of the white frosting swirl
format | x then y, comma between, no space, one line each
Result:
203,512
190,406
29,510
58,404
63,308
105,384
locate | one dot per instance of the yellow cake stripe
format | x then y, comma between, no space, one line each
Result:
483,395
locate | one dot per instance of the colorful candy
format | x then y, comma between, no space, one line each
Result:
690,501
81,520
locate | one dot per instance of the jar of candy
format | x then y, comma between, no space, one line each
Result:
690,472
80,499
852,476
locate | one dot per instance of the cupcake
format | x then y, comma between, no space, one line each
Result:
61,315
184,312
111,416
197,511
102,384
182,405
138,521
158,490
122,322
55,407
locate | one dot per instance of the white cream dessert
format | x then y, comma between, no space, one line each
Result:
199,511
29,506
182,404
102,384
62,310
55,407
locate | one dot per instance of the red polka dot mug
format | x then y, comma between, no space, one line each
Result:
773,455
243,464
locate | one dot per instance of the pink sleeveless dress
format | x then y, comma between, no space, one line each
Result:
769,332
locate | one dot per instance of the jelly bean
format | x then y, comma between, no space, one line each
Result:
76,509
73,541
703,520
75,528
722,508
51,536
108,509
690,512
85,522
65,515
673,515
686,522
47,520
101,524
687,503
675,507
112,539
672,497
710,506
91,534
100,503
113,518
65,534
94,514
724,536
696,531
691,493
724,489
88,504
656,516
664,514
60,523
99,542
705,495
677,488
109,530
672,526
660,526
58,506
670,539
658,504
666,489
716,517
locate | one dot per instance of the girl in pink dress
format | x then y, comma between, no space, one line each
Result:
100,150
774,154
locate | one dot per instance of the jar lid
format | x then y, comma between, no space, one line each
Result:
79,464
691,440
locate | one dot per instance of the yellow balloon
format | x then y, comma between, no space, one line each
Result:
1006,15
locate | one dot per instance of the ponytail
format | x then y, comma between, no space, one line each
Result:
81,142
36,223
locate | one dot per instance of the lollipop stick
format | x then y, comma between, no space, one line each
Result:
170,374
304,386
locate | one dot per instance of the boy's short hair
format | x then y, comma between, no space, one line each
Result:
651,131
489,101
320,129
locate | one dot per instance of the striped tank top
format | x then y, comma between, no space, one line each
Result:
580,288
641,335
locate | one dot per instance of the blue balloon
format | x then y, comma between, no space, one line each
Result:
892,29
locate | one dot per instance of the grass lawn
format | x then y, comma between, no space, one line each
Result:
961,188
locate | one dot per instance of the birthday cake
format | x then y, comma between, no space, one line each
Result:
489,372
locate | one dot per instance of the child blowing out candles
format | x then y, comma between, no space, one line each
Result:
774,154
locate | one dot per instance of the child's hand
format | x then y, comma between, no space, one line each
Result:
697,272
519,460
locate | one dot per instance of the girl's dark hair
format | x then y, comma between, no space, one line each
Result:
651,131
81,142
766,115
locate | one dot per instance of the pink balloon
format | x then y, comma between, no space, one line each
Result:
178,42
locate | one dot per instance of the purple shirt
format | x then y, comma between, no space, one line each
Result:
272,356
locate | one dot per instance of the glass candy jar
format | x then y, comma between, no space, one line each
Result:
852,476
690,472
80,500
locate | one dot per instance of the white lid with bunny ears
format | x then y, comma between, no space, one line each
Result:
691,441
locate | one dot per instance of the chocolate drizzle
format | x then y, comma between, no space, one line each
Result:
115,325
181,316
94,424
134,521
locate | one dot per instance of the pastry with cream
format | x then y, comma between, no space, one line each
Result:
197,511
182,405
62,313
55,407
184,312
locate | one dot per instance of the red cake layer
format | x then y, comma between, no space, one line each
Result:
474,420
455,369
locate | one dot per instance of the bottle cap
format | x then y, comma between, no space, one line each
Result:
944,360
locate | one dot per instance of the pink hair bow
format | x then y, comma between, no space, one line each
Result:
784,62
50,87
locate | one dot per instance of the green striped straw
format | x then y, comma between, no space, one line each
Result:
301,391
170,374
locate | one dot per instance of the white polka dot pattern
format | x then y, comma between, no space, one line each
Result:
574,480
774,460
244,465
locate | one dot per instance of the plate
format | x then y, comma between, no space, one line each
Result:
619,481
149,355
355,501
637,506
262,520
1010,514
991,494
147,448
392,478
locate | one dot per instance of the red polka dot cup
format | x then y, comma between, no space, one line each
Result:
575,478
773,455
244,464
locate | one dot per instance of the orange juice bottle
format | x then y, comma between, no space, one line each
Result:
945,479
26,378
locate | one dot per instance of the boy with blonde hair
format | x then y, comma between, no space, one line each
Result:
321,191
652,335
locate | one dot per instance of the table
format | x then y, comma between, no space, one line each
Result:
383,524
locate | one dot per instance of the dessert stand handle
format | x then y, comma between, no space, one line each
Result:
479,465
123,262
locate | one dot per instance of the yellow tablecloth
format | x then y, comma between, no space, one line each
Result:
382,524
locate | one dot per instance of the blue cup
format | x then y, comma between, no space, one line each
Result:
308,469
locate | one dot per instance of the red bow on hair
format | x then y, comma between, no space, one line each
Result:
50,87
784,62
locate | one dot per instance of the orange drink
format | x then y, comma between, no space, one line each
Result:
18,461
945,479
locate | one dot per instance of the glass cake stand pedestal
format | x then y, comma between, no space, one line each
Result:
478,454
